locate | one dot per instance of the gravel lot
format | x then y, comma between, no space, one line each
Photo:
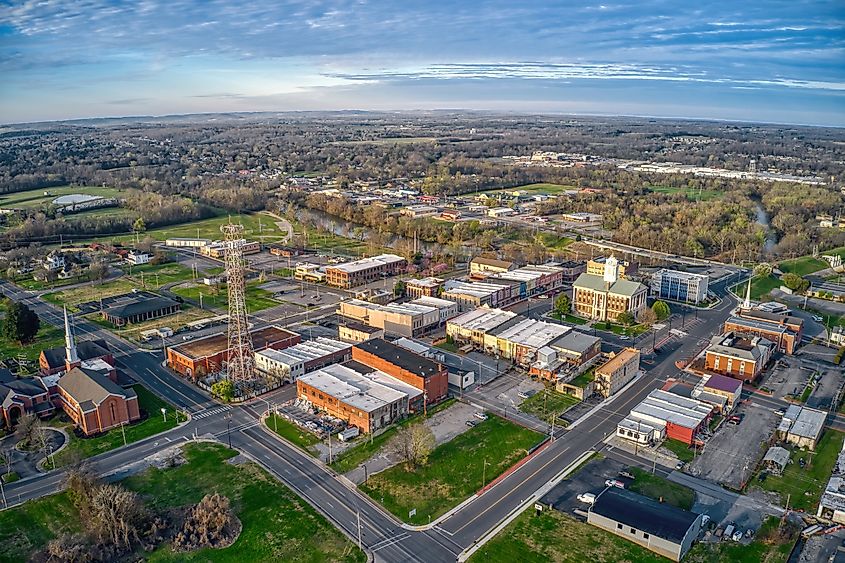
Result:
731,455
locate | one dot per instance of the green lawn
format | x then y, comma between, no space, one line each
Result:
38,285
801,266
680,449
657,487
692,194
153,424
585,378
292,433
448,346
329,242
553,241
455,470
77,295
829,320
767,547
760,287
539,188
277,524
812,479
31,199
157,275
569,318
556,537
48,336
547,404
257,299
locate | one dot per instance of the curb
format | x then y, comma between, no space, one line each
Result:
490,534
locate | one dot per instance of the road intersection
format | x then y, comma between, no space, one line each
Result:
335,497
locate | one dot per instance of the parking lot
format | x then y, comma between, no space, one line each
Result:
301,295
588,479
826,389
786,377
731,455
504,395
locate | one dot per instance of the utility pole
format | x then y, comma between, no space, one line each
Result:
359,529
330,448
484,474
123,431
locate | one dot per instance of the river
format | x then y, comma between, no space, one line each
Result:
762,218
343,229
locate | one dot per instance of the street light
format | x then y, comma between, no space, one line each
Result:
164,413
228,430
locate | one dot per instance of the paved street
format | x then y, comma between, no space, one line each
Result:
382,534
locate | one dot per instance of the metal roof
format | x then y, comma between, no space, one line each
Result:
533,333
482,319
645,514
660,407
306,351
354,389
619,287
367,263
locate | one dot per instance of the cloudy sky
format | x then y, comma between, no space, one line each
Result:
756,61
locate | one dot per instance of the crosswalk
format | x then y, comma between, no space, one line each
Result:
211,412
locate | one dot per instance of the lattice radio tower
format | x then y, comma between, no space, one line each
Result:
241,364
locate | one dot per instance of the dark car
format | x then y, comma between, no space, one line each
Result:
626,473
762,476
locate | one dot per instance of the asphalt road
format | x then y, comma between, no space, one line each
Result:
381,534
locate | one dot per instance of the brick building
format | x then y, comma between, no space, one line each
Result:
425,287
733,355
620,369
604,298
427,375
365,270
95,403
785,331
200,357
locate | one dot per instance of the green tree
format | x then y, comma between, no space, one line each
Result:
661,309
626,318
223,390
399,289
795,282
563,304
21,323
139,226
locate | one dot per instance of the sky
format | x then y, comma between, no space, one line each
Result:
763,61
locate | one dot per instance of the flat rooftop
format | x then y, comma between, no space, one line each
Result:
367,263
482,319
306,351
435,302
361,327
398,356
479,290
211,345
350,387
532,333
662,406
620,359
678,274
645,514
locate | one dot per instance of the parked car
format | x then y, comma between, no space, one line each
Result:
588,498
526,394
705,520
729,531
614,483
680,465
737,535
624,337
626,473
749,533
818,318
542,297
471,423
481,416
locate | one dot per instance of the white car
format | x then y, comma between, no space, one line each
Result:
818,319
587,498
614,483
542,297
481,416
624,337
737,535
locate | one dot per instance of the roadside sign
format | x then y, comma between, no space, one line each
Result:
412,513
538,507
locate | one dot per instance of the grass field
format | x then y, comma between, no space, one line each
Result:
569,318
556,537
292,433
48,336
553,241
79,448
812,479
32,199
277,524
257,299
760,287
454,471
328,242
77,295
541,188
801,266
157,275
547,404
680,449
690,193
257,226
657,487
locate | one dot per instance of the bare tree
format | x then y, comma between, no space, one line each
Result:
6,458
68,549
647,316
117,515
28,429
413,445
206,524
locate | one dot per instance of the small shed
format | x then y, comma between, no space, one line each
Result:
776,459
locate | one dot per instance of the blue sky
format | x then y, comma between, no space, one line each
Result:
757,61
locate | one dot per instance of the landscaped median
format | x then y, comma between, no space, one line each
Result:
454,471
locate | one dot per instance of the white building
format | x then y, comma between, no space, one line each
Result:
679,286
292,363
179,242
500,212
448,309
138,258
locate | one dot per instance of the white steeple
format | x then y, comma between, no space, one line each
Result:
747,304
71,358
